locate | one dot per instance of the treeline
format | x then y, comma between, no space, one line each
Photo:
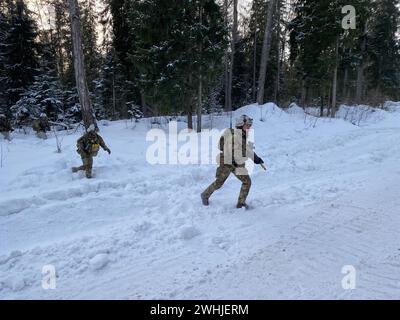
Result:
186,57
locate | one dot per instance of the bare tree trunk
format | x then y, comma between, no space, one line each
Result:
79,65
226,84
123,106
113,94
58,28
254,91
144,104
188,104
265,52
189,117
321,111
278,48
334,83
329,101
360,68
232,59
199,106
378,87
359,85
303,93
282,59
345,80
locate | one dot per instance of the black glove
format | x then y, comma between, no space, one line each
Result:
258,160
109,151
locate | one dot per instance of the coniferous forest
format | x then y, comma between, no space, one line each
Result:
191,57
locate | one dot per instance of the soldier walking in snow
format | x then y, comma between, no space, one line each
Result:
5,127
235,150
88,146
41,125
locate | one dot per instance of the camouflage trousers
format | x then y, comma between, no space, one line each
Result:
87,165
223,172
41,135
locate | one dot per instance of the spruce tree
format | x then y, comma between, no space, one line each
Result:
45,94
313,35
4,28
383,49
175,50
19,52
89,40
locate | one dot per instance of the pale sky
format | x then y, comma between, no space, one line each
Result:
37,6
44,12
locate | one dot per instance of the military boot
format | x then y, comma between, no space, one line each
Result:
243,205
204,199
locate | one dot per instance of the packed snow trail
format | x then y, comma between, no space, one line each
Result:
138,231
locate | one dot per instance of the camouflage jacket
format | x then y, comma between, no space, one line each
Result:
89,144
235,149
41,125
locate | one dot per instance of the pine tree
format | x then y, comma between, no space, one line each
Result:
111,89
4,28
62,42
383,49
176,50
19,53
45,94
117,17
313,35
89,40
249,53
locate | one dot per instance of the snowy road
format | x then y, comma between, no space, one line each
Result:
137,231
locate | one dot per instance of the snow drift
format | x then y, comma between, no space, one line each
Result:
138,231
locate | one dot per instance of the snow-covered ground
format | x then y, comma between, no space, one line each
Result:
329,199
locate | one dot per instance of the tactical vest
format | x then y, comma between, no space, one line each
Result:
90,145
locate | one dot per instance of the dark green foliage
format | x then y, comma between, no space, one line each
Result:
19,53
173,48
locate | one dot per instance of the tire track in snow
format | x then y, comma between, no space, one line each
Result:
307,262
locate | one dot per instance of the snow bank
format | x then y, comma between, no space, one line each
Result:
360,114
138,231
294,109
392,106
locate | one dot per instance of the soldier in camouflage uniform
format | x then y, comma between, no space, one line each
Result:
235,150
88,146
5,127
41,125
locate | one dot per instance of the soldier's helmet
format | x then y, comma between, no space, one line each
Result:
242,120
43,115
